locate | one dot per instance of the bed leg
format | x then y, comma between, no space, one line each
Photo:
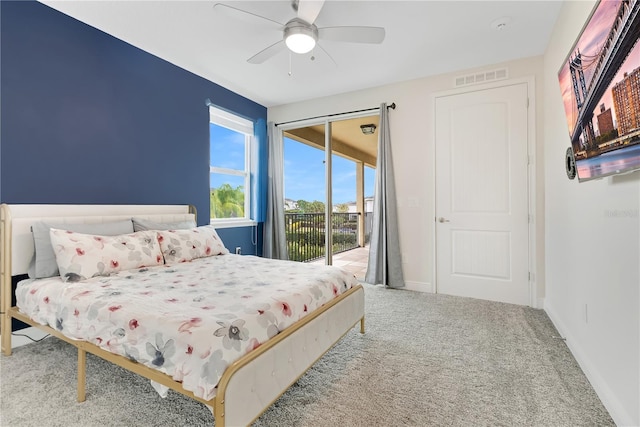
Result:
82,374
218,411
213,413
362,325
6,289
6,335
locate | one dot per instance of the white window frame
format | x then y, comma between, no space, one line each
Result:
241,125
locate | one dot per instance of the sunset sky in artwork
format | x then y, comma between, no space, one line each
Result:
589,45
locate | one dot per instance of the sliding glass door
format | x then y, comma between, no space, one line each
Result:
305,199
326,199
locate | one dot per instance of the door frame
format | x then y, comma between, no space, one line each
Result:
531,175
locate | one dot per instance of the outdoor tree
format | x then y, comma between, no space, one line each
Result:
310,207
317,207
227,202
306,235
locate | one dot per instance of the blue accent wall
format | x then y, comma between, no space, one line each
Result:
88,118
249,239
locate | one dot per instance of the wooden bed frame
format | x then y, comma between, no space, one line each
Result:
248,386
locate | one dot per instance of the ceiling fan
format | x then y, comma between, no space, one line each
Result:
300,34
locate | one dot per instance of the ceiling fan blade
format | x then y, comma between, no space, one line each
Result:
267,53
243,15
308,10
352,34
327,53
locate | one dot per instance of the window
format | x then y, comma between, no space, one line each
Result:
230,138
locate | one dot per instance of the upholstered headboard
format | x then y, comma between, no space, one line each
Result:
17,242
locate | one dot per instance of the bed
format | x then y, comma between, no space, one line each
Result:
192,305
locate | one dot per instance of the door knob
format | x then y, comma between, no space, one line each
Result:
441,219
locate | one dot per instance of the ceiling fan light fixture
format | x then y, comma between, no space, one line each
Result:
299,36
300,43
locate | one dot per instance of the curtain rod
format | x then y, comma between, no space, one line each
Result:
392,106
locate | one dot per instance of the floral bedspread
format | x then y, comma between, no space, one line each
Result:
190,320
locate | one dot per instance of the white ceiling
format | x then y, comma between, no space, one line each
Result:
423,38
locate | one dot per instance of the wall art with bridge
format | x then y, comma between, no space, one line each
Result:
600,84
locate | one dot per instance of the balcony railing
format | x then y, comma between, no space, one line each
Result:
306,234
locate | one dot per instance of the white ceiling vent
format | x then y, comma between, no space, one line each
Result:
484,77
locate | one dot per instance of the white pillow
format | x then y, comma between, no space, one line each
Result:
81,256
185,245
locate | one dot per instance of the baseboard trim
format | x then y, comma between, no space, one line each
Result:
540,303
418,286
620,416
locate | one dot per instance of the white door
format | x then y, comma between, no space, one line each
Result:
482,195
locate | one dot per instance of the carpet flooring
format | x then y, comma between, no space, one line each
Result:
425,360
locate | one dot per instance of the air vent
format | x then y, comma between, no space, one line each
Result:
484,77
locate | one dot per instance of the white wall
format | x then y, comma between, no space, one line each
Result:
592,250
588,235
412,138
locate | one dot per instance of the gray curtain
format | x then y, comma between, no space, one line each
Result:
385,262
275,241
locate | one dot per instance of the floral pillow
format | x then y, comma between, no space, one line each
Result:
185,245
82,256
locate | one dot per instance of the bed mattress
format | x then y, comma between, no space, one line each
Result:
190,320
